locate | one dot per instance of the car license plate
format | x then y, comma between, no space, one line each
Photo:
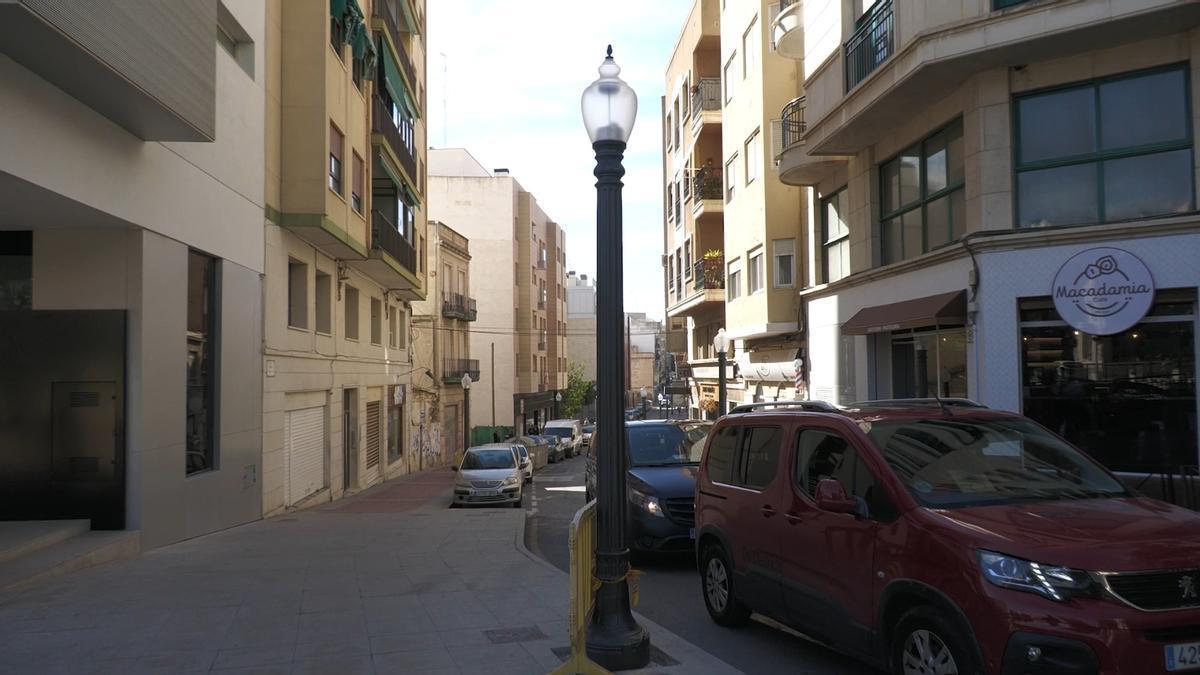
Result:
486,493
692,533
1183,656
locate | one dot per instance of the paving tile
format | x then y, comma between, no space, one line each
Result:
353,665
483,657
175,662
417,661
252,657
404,642
316,601
333,645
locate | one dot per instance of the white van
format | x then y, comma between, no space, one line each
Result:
569,434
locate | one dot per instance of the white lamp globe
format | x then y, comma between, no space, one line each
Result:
609,105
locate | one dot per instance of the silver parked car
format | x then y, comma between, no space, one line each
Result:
490,474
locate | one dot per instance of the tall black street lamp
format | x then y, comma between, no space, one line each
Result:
466,385
614,640
721,344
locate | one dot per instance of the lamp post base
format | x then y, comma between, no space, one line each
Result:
617,642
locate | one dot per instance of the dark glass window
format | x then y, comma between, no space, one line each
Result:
16,270
202,337
760,455
1113,149
395,431
922,196
821,454
721,453
835,236
1128,399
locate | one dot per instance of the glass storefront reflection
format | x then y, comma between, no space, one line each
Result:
916,356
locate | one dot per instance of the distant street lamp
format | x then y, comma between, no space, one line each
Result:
558,405
466,385
615,640
645,401
721,344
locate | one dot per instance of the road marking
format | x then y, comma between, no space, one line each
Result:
570,488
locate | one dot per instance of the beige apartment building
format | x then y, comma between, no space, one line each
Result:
581,324
975,166
345,248
441,345
131,263
523,323
726,86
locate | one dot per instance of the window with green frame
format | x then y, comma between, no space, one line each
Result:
1117,148
921,193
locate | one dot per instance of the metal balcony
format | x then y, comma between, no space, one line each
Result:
382,124
706,102
871,44
385,237
454,369
458,306
709,274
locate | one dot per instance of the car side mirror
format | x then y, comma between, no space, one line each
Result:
831,496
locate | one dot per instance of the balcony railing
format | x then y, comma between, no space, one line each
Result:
709,183
454,369
871,44
459,306
385,237
541,263
706,95
541,304
791,123
676,206
709,274
381,122
687,189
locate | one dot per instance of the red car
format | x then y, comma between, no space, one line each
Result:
942,537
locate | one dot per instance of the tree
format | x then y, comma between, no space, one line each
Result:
577,390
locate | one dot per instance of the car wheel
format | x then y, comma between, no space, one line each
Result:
587,495
520,503
716,580
925,642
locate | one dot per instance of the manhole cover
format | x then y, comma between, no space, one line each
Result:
502,636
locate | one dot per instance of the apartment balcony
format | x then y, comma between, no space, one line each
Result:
384,131
796,166
706,286
890,69
541,263
541,304
708,193
454,369
386,18
391,260
706,103
788,29
459,306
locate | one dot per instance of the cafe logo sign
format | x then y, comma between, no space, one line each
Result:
1103,291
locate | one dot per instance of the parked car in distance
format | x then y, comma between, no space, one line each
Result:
660,483
490,474
526,461
570,432
537,447
588,430
932,536
554,448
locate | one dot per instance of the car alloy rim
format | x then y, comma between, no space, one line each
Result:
926,654
716,584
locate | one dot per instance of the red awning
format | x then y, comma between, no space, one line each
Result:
943,308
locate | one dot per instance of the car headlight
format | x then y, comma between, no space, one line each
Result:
514,479
1056,583
647,503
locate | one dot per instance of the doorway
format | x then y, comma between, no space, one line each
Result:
349,438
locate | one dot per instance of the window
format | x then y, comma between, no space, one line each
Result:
669,132
297,294
760,455
721,453
835,237
687,259
324,293
785,262
750,48
670,204
755,271
335,159
735,279
922,196
16,270
376,321
753,155
1114,149
395,430
356,184
337,35
730,178
821,454
401,328
203,336
351,313
727,77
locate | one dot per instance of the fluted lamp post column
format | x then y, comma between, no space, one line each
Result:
466,385
721,345
614,639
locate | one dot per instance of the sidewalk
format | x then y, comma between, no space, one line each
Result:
388,581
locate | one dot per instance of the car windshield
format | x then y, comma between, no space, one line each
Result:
956,462
589,429
492,458
666,444
560,432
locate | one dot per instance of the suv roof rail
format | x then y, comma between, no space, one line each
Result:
918,403
806,406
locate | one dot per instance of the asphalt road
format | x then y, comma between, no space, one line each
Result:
670,591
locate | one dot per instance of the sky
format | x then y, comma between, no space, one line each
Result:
510,74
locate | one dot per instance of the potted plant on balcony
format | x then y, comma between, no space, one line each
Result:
714,268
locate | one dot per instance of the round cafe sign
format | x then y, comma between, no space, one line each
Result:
1102,291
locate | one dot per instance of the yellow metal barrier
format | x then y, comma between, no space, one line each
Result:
583,592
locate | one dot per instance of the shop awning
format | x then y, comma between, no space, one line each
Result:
943,308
